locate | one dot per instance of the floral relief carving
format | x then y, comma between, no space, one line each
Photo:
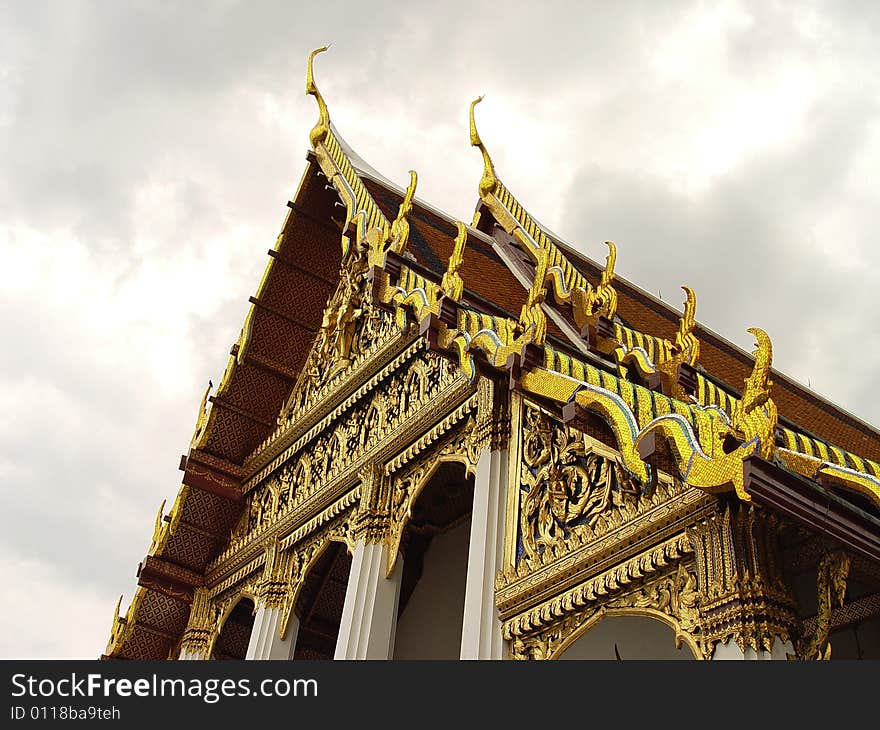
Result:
566,487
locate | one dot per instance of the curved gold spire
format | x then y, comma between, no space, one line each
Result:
489,181
322,128
686,342
399,232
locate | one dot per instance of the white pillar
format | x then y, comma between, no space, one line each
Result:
369,614
265,642
730,650
481,626
187,655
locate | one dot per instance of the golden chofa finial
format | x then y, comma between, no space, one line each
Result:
489,181
686,342
399,233
322,128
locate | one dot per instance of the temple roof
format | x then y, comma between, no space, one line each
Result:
502,293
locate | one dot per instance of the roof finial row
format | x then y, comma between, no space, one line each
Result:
322,128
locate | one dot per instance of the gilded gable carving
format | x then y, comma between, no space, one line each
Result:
569,490
352,328
399,399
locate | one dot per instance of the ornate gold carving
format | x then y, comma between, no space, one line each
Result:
202,627
676,596
373,329
601,401
831,585
275,590
372,520
569,486
404,396
333,346
596,588
754,415
739,571
714,461
548,630
589,303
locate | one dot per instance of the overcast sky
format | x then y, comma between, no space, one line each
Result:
147,151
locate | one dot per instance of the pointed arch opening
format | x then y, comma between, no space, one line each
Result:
625,636
319,602
235,631
434,549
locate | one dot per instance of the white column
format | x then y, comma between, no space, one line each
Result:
187,655
369,614
481,627
265,642
730,650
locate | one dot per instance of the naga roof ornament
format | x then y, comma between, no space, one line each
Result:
202,419
452,284
686,343
755,416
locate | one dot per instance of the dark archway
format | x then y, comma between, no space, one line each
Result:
435,555
627,637
319,604
235,634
